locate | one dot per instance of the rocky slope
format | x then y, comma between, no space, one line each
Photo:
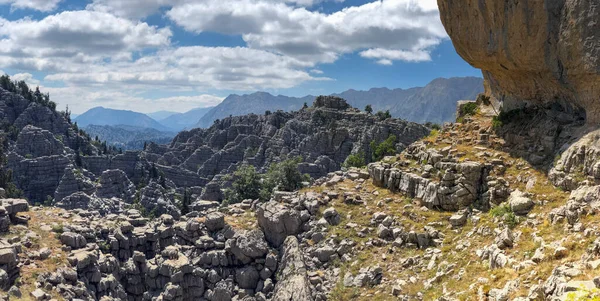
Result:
52,162
457,216
531,52
324,135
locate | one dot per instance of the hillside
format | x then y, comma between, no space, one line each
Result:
435,102
457,214
104,116
181,121
128,137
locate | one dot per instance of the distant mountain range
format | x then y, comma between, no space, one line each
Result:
128,137
161,115
435,102
187,120
104,116
170,121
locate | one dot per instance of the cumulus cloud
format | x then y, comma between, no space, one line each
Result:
200,67
40,5
83,33
27,77
80,99
106,54
139,9
409,26
386,56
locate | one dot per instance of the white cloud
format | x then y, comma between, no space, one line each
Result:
196,67
139,9
400,25
105,55
386,56
40,5
27,77
80,99
84,33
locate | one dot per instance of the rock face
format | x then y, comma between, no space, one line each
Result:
278,222
460,185
114,183
292,279
531,52
324,135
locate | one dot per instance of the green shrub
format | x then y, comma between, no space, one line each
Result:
285,176
385,148
246,185
383,115
500,210
470,108
58,229
355,160
496,123
504,211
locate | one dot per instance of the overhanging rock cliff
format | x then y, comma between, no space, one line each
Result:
531,52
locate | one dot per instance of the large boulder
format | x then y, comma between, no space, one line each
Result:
248,245
531,52
278,222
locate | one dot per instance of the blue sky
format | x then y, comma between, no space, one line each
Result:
151,55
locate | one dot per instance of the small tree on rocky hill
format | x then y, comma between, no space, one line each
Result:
385,148
369,109
246,185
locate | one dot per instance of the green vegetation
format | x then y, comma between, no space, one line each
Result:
496,123
433,126
504,211
58,228
249,184
584,294
21,88
285,175
6,176
470,109
355,160
186,201
369,109
246,185
383,115
385,148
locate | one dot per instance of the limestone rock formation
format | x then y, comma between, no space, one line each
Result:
293,281
531,52
114,183
324,135
74,180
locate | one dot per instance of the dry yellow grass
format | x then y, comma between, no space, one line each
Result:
470,266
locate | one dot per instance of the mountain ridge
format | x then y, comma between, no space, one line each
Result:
440,97
106,116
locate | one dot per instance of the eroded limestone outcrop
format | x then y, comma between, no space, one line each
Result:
531,52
